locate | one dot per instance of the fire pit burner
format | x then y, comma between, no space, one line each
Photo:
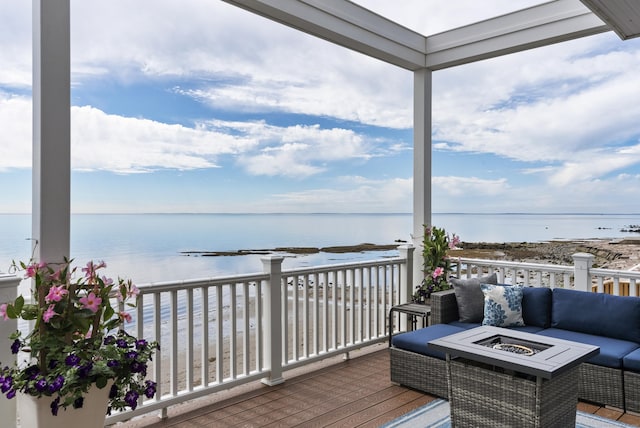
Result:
516,349
513,345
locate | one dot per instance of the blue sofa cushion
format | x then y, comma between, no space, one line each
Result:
596,313
612,351
536,306
470,325
631,361
417,340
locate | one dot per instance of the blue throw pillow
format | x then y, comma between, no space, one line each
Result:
536,306
502,305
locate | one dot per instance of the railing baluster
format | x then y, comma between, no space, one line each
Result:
189,341
219,337
233,335
174,341
204,337
246,343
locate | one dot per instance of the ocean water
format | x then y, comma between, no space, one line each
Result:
150,247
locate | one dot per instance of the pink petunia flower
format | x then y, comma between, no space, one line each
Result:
91,302
3,311
455,240
33,268
126,316
49,313
107,281
437,272
56,293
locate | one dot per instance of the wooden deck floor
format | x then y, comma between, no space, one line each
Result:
353,393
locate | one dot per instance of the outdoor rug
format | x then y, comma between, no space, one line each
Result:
436,415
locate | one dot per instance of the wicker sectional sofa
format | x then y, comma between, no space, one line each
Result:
611,322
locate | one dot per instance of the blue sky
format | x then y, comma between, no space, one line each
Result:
204,107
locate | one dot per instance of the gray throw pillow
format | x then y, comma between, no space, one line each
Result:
470,298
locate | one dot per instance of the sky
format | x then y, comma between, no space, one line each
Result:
199,106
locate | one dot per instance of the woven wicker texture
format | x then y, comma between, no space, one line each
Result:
632,391
601,385
418,371
482,397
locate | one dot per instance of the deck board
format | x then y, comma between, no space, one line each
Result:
353,393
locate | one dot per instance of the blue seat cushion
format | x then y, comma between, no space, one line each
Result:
417,340
631,361
612,351
536,306
597,313
465,325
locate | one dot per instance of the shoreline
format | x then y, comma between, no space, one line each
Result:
614,253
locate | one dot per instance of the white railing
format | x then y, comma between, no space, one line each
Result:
580,276
218,333
223,332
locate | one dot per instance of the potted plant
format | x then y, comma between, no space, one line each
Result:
76,342
436,243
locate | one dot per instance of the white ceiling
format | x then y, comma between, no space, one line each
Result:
623,16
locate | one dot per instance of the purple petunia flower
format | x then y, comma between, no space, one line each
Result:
109,340
150,389
11,394
122,343
141,344
41,384
131,398
131,355
78,403
6,384
72,360
83,372
113,392
15,346
113,363
138,367
32,372
57,384
55,406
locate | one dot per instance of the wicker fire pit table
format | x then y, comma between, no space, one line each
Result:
502,377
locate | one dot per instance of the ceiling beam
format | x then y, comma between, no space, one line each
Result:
537,26
346,24
355,27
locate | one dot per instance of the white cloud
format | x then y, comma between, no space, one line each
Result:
15,138
362,195
127,145
456,186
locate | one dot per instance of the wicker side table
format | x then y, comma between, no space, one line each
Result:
414,310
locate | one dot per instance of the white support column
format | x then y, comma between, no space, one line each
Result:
51,129
422,94
273,320
582,263
8,293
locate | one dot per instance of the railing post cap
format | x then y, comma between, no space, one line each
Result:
271,257
583,256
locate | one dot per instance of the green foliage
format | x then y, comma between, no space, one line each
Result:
436,243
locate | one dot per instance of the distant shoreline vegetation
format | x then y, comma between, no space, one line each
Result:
340,249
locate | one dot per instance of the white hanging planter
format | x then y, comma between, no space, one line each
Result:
36,412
